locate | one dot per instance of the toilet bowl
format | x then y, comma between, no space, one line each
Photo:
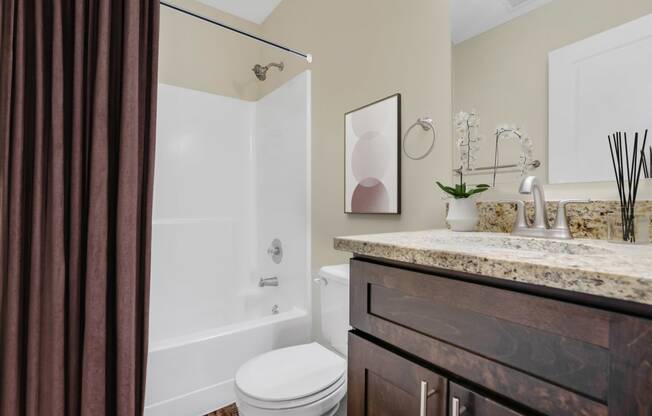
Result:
307,379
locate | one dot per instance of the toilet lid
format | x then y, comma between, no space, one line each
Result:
290,373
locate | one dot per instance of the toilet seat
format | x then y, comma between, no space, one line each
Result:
300,380
303,401
325,407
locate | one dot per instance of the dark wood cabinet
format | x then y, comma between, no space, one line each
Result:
545,353
382,383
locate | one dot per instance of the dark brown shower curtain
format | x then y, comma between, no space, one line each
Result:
77,135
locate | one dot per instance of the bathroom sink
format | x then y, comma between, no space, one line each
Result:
506,242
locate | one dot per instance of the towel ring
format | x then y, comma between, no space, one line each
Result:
426,124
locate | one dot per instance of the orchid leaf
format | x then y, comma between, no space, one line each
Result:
461,191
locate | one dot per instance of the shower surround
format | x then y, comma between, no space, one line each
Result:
231,175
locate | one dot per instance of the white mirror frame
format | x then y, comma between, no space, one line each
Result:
598,86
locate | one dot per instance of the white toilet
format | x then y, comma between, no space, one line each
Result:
308,379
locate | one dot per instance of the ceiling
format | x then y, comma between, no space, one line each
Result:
470,18
253,10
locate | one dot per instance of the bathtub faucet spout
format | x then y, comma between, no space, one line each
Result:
268,281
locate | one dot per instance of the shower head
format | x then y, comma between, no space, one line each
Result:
261,71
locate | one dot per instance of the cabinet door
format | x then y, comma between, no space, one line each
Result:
464,402
381,383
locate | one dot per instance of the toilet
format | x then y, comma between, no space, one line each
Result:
308,379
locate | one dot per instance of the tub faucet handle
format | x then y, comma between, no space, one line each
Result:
275,250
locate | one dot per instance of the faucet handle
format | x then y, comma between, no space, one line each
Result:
521,221
561,221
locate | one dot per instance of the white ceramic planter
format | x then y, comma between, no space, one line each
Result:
462,214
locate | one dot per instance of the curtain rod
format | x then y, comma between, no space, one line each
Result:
306,56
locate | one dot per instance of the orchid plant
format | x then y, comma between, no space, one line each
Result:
467,126
521,136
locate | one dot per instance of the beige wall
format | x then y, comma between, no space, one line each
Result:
365,50
503,73
200,56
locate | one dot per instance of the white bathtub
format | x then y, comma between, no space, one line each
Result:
193,375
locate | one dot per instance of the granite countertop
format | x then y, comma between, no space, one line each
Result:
593,267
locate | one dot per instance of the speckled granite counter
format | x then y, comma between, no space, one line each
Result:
593,267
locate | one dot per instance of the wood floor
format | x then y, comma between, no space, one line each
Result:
233,411
230,410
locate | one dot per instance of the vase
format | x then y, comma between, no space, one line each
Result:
625,227
462,214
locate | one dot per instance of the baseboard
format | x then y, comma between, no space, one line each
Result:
196,403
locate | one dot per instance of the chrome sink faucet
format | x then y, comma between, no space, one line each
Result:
541,227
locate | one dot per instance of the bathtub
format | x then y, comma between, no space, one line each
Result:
193,375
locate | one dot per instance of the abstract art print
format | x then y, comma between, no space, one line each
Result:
372,158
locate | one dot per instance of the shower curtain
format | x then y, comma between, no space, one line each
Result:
77,134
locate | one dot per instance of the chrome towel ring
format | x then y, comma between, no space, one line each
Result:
426,124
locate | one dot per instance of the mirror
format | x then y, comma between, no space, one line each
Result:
561,73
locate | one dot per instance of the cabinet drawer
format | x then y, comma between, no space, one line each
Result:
464,402
381,383
549,355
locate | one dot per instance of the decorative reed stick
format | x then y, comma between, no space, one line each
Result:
628,174
647,166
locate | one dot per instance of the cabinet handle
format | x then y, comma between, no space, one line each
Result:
425,393
456,409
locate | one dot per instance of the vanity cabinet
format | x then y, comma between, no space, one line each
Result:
546,354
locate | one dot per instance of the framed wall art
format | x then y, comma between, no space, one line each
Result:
372,158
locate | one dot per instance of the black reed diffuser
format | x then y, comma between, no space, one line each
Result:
628,174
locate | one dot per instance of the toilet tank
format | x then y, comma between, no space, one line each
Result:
335,305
